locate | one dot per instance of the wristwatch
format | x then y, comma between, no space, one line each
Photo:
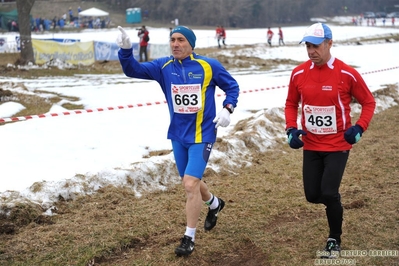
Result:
229,108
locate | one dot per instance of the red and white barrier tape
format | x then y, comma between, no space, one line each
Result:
380,70
73,112
22,118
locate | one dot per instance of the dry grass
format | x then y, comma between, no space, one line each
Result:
99,67
35,104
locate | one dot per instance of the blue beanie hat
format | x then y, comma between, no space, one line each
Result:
187,32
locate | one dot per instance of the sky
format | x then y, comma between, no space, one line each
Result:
67,155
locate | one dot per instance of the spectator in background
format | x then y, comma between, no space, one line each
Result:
97,23
146,14
354,21
46,24
61,23
280,36
223,36
269,35
79,10
144,38
90,25
360,23
41,21
218,35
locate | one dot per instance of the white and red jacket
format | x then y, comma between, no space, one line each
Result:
325,93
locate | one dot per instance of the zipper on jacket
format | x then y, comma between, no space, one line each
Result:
183,72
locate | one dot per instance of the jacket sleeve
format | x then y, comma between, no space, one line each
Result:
226,83
132,68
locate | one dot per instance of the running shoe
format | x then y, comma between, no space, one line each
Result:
212,216
332,249
186,247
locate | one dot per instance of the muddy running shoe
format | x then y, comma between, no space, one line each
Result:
332,249
212,216
186,247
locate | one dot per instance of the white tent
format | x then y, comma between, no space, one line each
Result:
93,12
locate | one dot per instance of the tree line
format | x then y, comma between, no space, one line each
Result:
248,13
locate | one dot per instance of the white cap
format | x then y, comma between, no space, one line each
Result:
317,33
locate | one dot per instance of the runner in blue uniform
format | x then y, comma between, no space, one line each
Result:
188,82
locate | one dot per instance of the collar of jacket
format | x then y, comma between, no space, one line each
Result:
192,56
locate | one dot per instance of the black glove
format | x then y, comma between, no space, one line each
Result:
353,134
293,138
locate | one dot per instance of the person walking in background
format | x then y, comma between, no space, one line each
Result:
269,35
280,36
223,36
325,85
144,38
219,35
189,83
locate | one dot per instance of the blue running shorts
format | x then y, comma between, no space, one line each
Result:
191,158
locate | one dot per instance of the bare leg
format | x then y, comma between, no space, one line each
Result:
205,194
196,191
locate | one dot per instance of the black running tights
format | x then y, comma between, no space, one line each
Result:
322,175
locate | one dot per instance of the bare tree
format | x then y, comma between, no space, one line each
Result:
24,8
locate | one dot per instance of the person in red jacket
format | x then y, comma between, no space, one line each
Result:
325,85
223,35
219,35
269,36
280,36
144,38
